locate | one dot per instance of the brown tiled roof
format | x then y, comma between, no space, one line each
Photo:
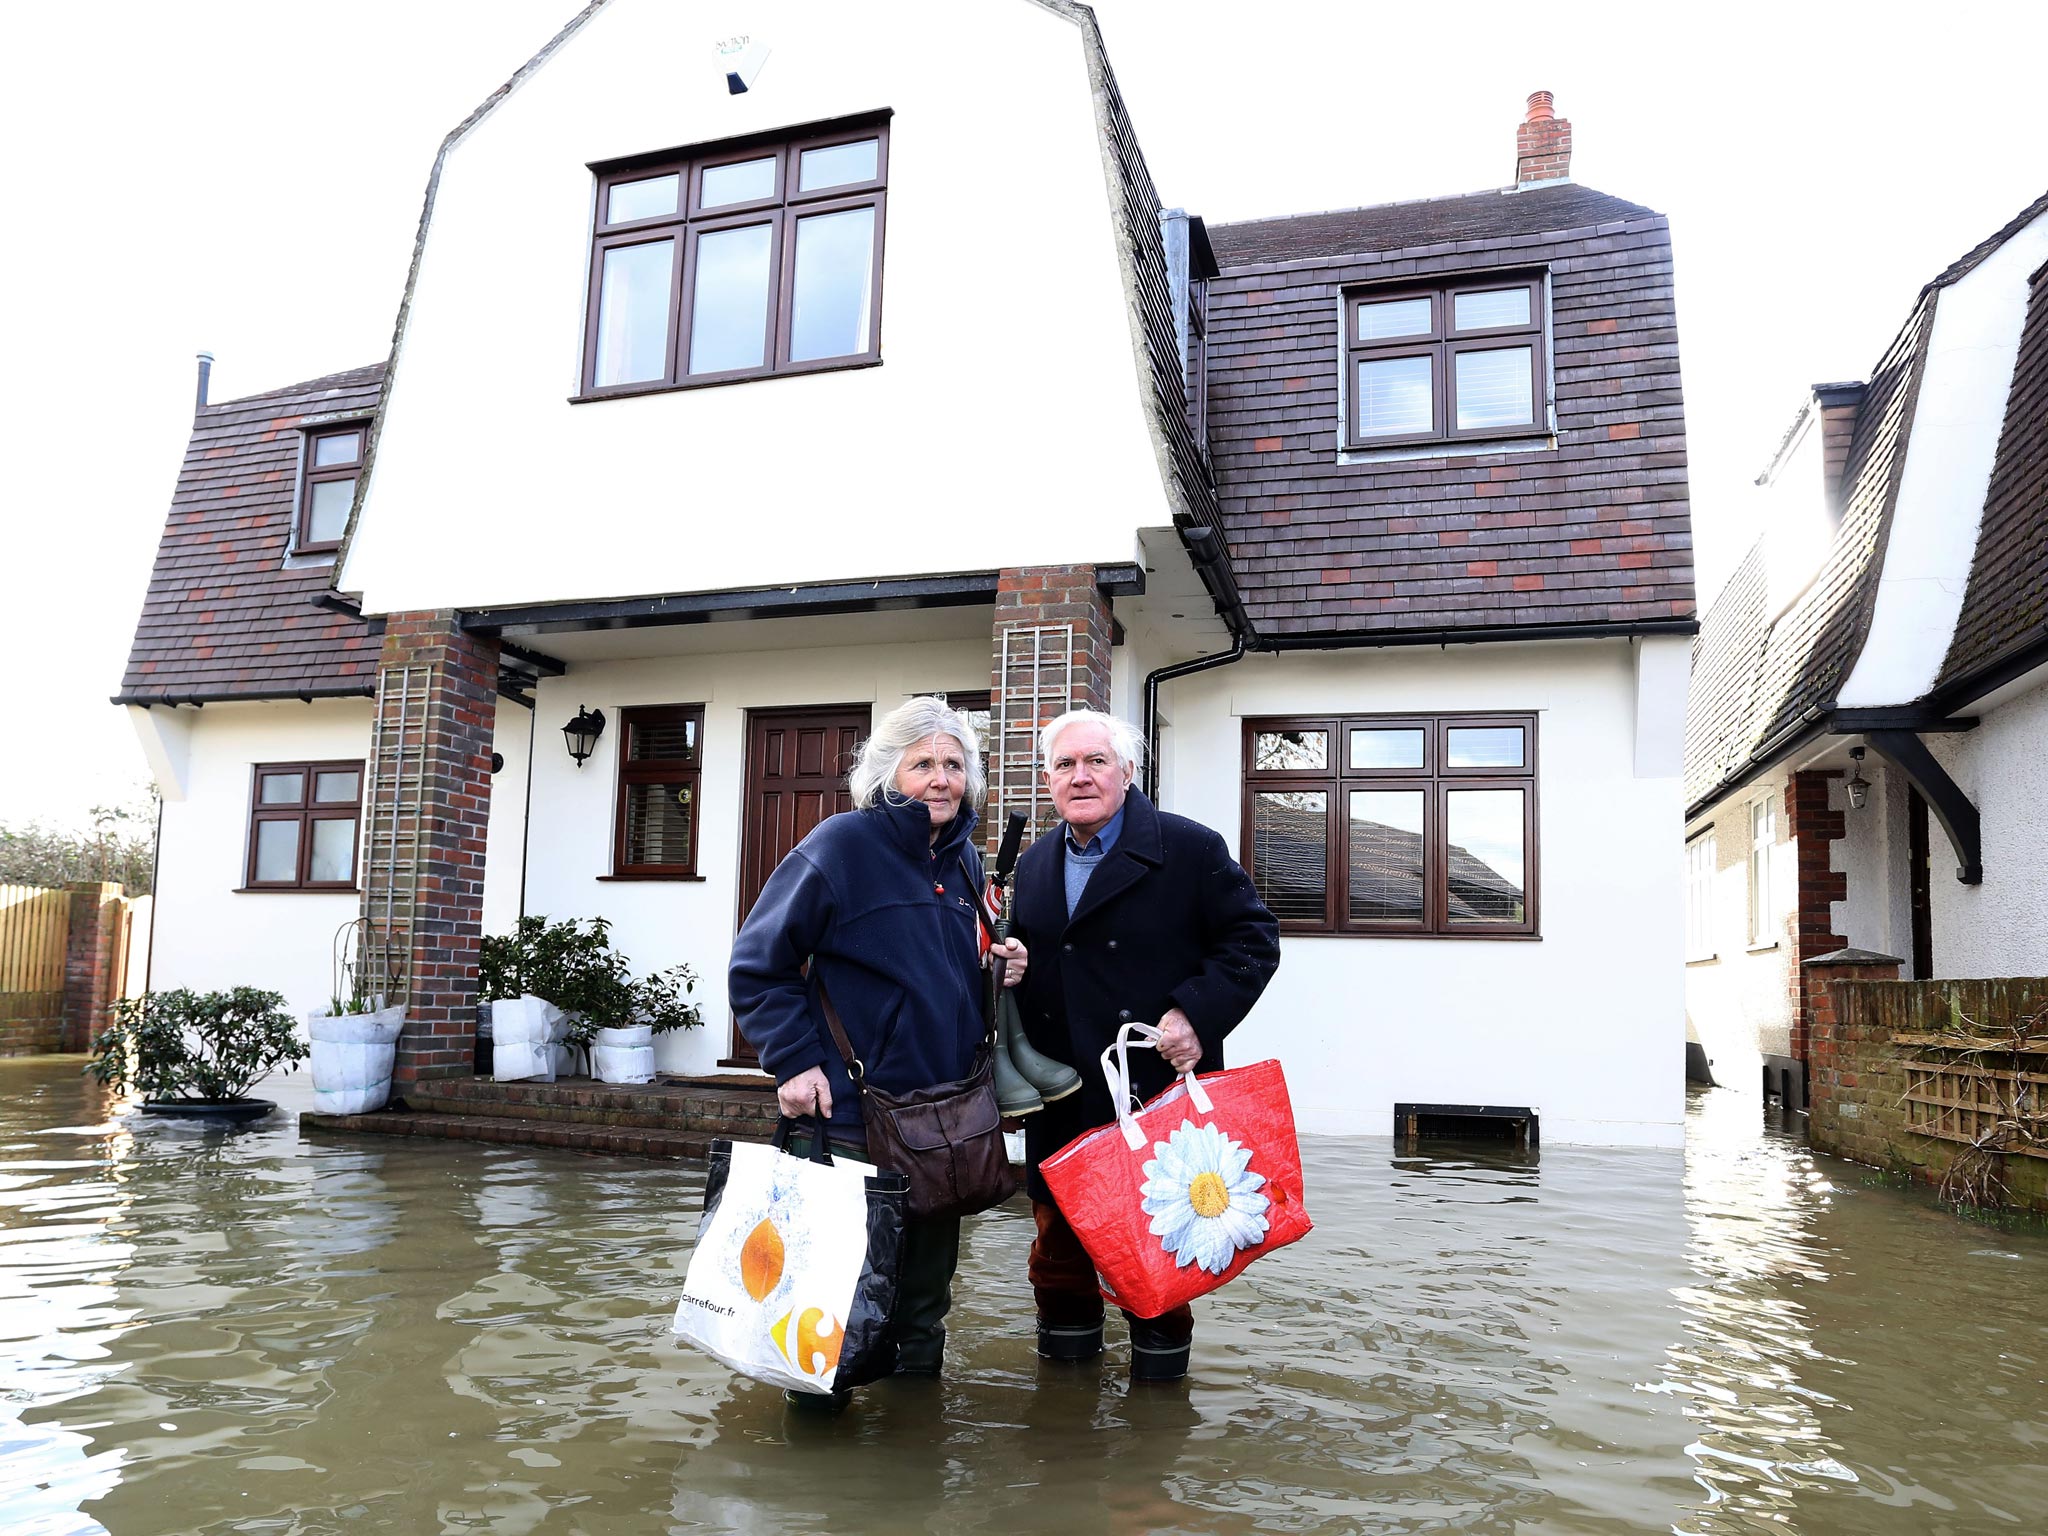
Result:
2006,603
1483,216
225,617
1754,682
1593,532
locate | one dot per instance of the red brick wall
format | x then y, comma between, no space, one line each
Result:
440,1015
1064,596
89,962
1816,828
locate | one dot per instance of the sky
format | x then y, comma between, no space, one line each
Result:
245,177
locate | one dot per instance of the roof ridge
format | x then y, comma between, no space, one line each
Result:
365,372
1417,202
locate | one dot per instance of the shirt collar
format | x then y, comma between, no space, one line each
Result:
1104,840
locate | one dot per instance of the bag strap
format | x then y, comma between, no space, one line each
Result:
854,1069
1118,1074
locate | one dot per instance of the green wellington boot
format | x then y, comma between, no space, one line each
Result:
1014,1096
1053,1080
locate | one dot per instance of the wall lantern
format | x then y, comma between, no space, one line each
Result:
581,733
1858,787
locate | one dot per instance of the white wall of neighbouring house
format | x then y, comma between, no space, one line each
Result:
210,934
1872,856
662,923
1737,994
1586,1023
1003,319
1998,928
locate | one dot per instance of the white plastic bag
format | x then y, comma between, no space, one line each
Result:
624,1055
353,1054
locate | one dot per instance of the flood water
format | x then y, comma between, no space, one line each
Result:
206,1331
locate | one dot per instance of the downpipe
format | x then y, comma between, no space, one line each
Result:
1167,674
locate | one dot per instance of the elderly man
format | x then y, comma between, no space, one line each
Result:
1130,914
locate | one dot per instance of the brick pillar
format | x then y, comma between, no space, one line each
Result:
1815,827
1058,628
1836,1042
89,962
450,679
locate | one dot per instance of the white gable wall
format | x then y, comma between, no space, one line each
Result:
1956,423
1003,427
1585,1024
1998,928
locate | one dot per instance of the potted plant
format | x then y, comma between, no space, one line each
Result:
355,1038
575,992
197,1054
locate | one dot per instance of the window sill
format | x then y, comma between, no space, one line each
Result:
296,890
1704,960
720,383
1383,933
1461,448
1757,949
673,879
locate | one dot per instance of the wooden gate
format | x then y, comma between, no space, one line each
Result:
34,924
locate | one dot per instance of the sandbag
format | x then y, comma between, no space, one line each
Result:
527,1021
623,1055
353,1054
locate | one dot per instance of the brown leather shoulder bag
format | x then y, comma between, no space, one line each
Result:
947,1140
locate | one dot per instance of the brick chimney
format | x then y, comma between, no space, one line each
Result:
1543,145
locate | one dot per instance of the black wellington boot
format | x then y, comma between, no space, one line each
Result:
1070,1342
1157,1354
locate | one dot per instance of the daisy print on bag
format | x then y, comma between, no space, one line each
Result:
1203,1198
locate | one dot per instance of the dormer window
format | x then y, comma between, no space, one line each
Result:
327,485
738,260
1446,363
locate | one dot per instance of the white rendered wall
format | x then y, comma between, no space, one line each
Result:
1737,1003
1003,322
1998,928
504,838
1871,854
1587,1024
1957,418
659,923
209,935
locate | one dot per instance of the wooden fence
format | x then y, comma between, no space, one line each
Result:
36,948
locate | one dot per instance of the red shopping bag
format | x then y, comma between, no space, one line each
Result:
1177,1199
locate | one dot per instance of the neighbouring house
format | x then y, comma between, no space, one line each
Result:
1867,739
1375,520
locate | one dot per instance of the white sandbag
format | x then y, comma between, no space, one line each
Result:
527,1021
632,1034
621,1063
353,1054
522,1061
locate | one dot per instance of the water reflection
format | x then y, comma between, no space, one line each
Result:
247,1332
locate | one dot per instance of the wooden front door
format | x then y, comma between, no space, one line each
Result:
797,762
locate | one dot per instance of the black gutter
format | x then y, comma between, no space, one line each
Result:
2002,669
199,701
1160,675
973,589
1478,635
1781,746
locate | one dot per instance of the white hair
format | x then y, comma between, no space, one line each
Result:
1124,739
873,779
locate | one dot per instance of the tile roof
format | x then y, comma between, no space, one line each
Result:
1592,531
225,617
2006,603
1755,681
1487,216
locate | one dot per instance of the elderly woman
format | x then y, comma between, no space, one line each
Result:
880,902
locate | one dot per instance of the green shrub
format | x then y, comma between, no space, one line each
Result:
196,1045
573,965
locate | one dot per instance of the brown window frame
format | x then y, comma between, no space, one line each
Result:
1436,778
780,212
1441,344
303,542
305,812
665,770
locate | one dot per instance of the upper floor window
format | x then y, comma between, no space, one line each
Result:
327,485
302,827
1460,361
741,259
1392,825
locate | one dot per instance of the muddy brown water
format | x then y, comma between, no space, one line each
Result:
250,1331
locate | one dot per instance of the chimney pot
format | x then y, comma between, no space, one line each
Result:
205,374
1540,109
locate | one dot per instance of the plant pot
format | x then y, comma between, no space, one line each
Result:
624,1055
353,1054
211,1111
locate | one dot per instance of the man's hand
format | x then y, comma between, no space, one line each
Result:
1177,1041
1013,957
806,1094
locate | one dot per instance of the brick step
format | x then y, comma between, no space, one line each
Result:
709,1110
509,1130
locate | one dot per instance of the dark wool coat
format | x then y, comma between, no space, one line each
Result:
859,898
1168,920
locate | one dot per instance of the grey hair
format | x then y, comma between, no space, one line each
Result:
873,779
1124,738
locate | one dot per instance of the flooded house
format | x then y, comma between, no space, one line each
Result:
745,383
1867,737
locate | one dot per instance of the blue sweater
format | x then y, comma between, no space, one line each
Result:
858,898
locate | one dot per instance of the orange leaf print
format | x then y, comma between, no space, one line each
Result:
761,1260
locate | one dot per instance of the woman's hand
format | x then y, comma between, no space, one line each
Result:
1014,957
808,1093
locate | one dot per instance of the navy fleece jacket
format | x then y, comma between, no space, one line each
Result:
860,899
